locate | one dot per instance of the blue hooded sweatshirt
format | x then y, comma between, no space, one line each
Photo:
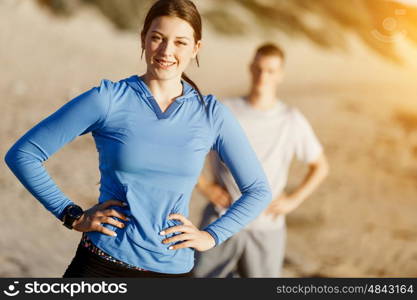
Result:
149,159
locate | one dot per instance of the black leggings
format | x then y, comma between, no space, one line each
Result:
87,264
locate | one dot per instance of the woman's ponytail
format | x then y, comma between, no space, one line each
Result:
188,80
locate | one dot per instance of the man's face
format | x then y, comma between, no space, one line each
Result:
266,71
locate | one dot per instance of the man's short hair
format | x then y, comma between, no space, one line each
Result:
270,49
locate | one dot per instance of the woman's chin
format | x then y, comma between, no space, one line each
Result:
162,74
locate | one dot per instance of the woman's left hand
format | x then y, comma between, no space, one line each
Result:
193,237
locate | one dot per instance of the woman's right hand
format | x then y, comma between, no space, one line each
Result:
92,218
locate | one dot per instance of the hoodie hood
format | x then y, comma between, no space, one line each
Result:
139,85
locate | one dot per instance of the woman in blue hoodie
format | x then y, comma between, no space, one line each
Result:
152,133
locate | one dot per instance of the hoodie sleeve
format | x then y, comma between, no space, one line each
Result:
234,150
84,113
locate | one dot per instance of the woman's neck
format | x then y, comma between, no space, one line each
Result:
164,91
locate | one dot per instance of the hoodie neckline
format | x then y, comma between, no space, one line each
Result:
139,85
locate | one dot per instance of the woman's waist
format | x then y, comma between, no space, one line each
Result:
123,266
144,250
90,246
148,206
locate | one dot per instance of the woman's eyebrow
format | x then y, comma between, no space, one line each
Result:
183,37
178,37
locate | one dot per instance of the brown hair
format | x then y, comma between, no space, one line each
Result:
270,49
183,9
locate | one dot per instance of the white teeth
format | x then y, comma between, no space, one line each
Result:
164,63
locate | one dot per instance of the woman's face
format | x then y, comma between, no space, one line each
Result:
169,46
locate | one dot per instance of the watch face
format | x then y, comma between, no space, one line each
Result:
75,211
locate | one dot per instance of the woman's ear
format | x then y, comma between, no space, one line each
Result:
142,40
197,48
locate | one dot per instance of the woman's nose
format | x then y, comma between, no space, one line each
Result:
166,48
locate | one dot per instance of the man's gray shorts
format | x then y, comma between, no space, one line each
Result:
248,253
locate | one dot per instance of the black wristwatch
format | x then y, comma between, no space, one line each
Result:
71,213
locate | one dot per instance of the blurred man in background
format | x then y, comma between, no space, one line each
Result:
277,133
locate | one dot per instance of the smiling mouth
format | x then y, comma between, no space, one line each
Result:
163,64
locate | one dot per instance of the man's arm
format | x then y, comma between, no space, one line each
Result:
284,204
213,192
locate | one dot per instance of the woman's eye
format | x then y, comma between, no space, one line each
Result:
155,38
182,43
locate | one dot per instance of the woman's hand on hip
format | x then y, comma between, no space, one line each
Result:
92,219
191,236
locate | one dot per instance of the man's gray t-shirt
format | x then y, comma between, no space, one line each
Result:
276,135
